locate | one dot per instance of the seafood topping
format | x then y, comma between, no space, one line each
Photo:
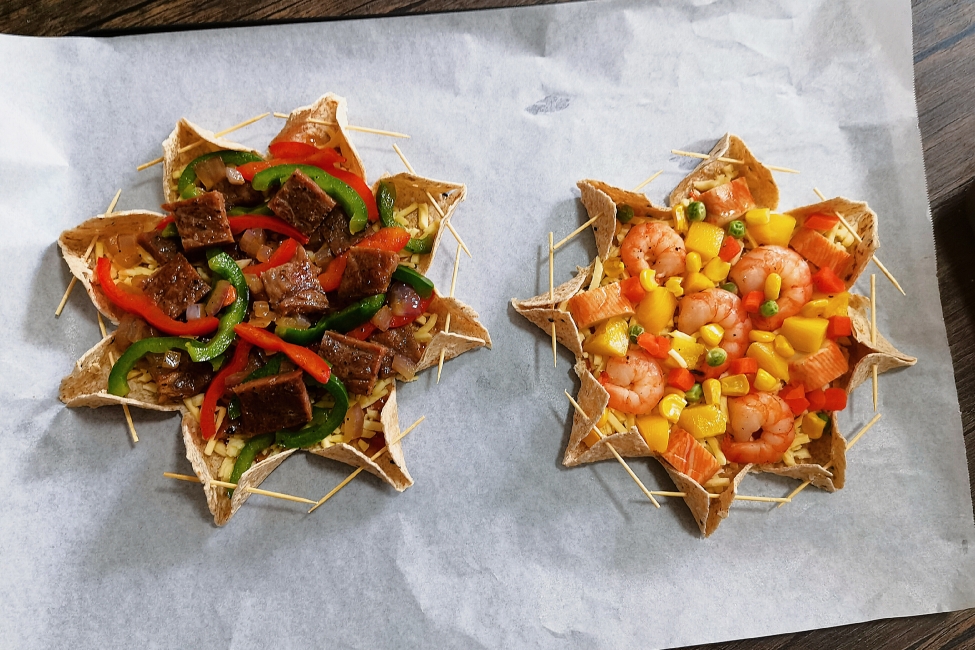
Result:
353,361
293,287
175,286
273,403
728,201
201,221
302,203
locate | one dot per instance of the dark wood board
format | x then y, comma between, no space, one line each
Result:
944,69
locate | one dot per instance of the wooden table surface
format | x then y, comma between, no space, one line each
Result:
944,68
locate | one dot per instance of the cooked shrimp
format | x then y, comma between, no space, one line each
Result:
635,383
761,429
755,266
722,308
653,245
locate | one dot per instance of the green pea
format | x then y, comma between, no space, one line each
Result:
769,308
170,231
716,356
695,393
624,213
730,287
635,331
696,211
736,229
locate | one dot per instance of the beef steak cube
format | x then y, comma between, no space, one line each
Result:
161,248
353,361
293,287
201,221
175,286
273,403
234,195
177,376
302,203
398,340
335,232
367,272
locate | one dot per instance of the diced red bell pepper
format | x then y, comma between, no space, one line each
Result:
839,326
657,347
632,289
216,389
753,301
362,332
281,255
835,399
820,221
817,399
680,378
729,248
243,222
304,358
792,391
400,321
826,281
140,305
798,405
743,366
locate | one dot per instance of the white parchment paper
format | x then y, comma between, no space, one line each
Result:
497,545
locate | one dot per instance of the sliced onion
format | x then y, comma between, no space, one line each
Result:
234,176
296,322
382,318
264,253
131,329
222,295
261,308
251,241
403,366
322,257
195,311
403,300
354,417
124,251
211,171
254,282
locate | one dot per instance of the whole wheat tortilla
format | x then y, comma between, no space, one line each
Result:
864,220
541,310
758,176
601,201
75,242
708,512
304,125
414,189
176,156
466,332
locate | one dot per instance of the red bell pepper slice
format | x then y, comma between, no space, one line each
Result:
307,360
657,347
386,239
216,389
835,399
244,222
324,159
820,221
680,378
287,149
753,301
400,321
140,305
817,399
743,366
826,281
362,332
729,248
165,221
281,255
839,326
632,289
332,277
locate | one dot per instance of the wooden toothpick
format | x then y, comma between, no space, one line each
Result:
199,142
648,181
873,331
233,486
551,295
704,156
362,129
446,326
576,232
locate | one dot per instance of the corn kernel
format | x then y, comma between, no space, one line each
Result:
765,382
717,269
814,308
712,391
712,334
773,286
735,386
671,406
680,219
673,390
757,217
673,285
782,347
761,336
648,280
692,263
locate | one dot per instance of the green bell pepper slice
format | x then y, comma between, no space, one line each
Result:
385,199
187,181
420,246
261,209
348,319
246,457
118,382
323,423
420,283
343,193
224,266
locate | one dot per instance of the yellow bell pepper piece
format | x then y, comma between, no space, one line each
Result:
655,430
761,336
773,286
813,426
611,339
692,263
805,334
688,349
648,279
671,406
705,239
765,382
814,308
735,386
673,285
695,282
702,421
778,231
591,439
769,361
656,310
680,219
782,347
712,334
838,305
712,392
717,270
757,217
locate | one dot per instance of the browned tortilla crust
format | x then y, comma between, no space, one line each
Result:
758,176
707,512
466,332
541,310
